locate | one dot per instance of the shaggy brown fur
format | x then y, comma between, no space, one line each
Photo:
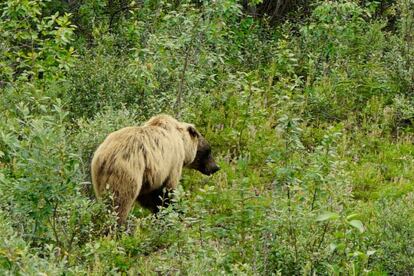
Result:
136,163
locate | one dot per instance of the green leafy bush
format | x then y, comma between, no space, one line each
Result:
391,234
310,120
33,45
343,56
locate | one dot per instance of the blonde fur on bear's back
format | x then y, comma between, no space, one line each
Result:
134,161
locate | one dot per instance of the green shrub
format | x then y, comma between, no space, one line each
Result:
34,46
310,121
16,258
41,183
101,81
343,55
392,230
400,57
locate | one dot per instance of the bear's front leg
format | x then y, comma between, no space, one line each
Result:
174,179
155,199
161,196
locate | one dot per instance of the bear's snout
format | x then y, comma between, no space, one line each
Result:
215,169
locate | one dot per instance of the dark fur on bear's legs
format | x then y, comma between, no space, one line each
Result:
155,199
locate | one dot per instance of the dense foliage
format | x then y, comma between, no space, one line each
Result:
308,106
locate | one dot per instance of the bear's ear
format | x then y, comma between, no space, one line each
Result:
193,132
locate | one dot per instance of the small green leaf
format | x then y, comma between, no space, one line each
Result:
327,216
357,224
351,216
340,246
358,254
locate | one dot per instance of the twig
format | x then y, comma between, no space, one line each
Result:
124,7
181,83
291,229
240,146
177,105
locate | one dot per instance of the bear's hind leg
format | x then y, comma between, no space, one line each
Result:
125,196
123,206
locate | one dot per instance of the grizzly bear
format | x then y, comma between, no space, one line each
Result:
136,163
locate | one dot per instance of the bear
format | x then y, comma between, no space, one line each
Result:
139,163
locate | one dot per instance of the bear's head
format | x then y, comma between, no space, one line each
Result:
204,160
197,150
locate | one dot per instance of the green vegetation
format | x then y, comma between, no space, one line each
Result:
310,114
